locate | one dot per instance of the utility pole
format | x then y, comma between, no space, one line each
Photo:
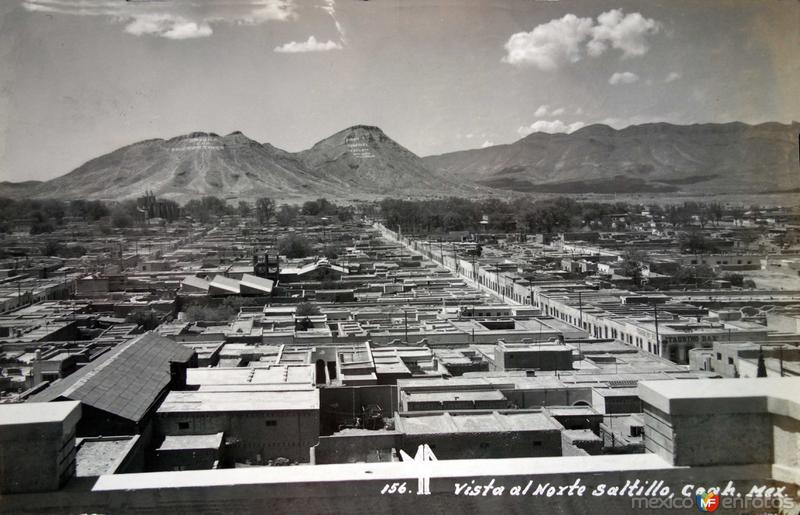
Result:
580,310
405,320
655,318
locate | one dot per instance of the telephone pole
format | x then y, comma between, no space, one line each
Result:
655,318
405,321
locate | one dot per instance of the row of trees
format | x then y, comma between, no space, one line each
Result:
520,215
45,215
539,216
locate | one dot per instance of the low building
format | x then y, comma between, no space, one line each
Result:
189,452
532,356
470,435
37,446
258,425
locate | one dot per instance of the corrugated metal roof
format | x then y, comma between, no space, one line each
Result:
224,283
125,381
257,283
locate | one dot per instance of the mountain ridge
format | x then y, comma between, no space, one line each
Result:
362,161
656,157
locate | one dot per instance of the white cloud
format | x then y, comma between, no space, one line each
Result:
550,126
626,32
541,111
579,111
487,143
309,45
171,20
551,44
672,76
167,26
623,78
565,40
330,8
557,112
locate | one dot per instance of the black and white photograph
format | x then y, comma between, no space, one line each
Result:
399,256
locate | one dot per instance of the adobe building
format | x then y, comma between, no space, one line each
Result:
532,356
727,422
37,446
258,425
476,434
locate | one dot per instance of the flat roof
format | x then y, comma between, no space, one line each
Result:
270,374
189,442
37,412
99,456
206,401
448,423
740,395
468,395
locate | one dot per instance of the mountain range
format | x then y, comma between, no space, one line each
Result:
363,162
656,157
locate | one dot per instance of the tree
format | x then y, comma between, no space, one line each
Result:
265,209
294,246
286,215
41,224
120,218
633,265
734,279
677,215
716,212
330,252
693,275
307,309
695,242
54,210
244,209
204,208
58,249
319,207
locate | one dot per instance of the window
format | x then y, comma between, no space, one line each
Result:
730,361
719,355
271,423
183,425
537,443
484,445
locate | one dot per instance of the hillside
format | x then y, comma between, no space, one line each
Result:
658,157
193,165
363,162
358,161
366,159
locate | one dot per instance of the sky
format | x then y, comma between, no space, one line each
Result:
80,78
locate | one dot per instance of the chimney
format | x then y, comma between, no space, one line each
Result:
177,376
